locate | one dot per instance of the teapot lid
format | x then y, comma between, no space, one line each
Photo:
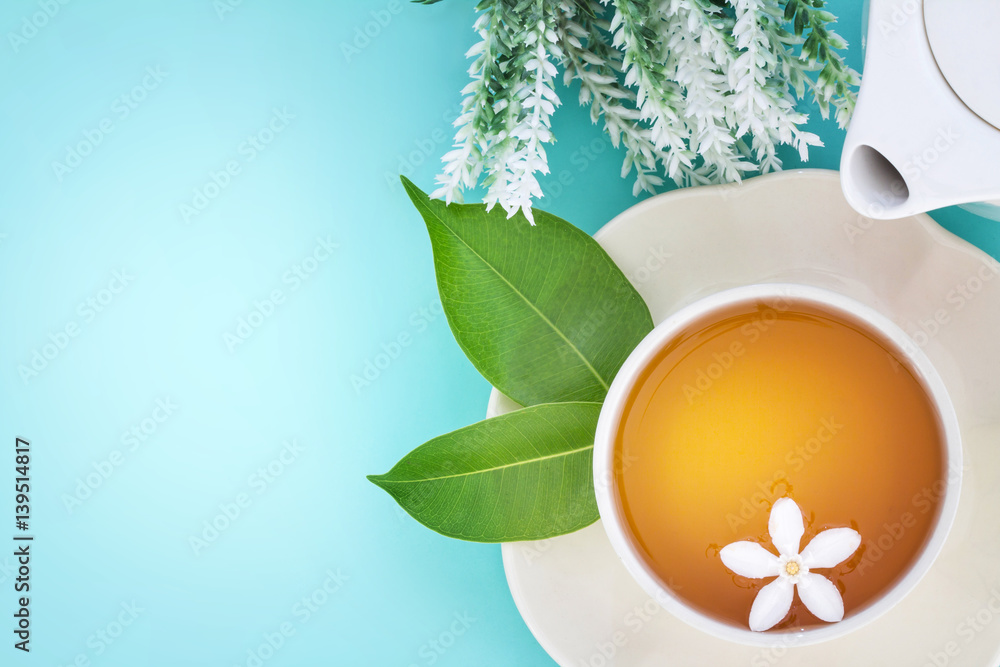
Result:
963,39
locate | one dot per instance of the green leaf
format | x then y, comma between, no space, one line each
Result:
790,9
800,22
526,475
541,311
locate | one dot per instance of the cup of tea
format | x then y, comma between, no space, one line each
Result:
777,461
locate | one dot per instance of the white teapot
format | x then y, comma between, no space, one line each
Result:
926,129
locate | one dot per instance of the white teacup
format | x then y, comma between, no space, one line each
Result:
848,310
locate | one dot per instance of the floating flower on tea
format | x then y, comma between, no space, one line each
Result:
818,594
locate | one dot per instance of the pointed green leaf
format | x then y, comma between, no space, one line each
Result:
541,311
790,9
526,475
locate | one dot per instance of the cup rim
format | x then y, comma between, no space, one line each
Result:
612,411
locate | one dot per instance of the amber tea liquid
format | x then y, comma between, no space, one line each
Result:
765,401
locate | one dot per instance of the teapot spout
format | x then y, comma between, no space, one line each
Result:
912,145
874,186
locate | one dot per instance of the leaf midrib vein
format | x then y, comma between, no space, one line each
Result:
523,297
486,470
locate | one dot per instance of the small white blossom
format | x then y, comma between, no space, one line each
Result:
792,569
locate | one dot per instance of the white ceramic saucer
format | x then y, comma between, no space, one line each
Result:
573,591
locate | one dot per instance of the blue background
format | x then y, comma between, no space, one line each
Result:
365,109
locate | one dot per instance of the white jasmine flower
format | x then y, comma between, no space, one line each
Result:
818,594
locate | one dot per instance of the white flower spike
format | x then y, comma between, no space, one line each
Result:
818,594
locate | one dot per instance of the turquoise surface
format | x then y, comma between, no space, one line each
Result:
190,299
